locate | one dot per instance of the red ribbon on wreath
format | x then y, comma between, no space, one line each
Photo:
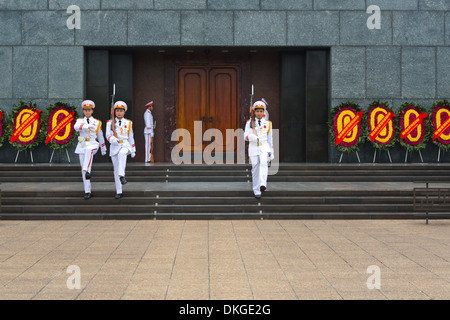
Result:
349,127
383,123
441,129
32,118
413,125
69,118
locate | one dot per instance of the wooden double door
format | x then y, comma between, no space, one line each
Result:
208,98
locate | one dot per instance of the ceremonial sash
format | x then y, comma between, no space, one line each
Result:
413,125
32,118
69,118
380,126
349,127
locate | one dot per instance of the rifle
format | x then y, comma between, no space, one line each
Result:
113,118
251,108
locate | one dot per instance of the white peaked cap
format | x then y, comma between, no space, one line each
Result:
121,105
88,104
259,105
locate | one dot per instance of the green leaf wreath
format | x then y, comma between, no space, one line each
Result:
73,136
10,125
2,127
441,142
332,126
394,138
426,130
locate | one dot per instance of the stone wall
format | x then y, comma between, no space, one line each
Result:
407,59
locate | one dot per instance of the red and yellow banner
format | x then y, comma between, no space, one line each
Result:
438,133
413,125
382,125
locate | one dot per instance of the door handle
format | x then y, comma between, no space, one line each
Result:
211,120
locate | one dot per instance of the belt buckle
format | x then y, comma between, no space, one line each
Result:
87,139
120,141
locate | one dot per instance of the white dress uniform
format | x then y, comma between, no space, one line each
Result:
90,131
148,132
260,152
120,147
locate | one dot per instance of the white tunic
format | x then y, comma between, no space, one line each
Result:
262,142
125,136
148,119
89,134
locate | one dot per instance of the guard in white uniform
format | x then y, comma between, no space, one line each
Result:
260,149
90,130
121,144
148,131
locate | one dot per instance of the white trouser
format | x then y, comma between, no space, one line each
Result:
148,147
260,170
86,160
119,162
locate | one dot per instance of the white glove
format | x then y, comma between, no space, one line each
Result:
92,126
133,155
252,138
152,135
103,152
271,156
81,140
114,141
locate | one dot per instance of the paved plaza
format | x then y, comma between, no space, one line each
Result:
228,259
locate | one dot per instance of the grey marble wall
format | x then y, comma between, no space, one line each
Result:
41,59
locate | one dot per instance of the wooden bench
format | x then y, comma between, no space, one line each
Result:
431,200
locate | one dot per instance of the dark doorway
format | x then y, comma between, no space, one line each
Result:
304,115
293,81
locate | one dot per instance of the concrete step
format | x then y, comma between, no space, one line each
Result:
220,216
355,202
186,174
222,201
119,207
225,204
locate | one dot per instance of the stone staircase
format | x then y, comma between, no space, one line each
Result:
297,191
